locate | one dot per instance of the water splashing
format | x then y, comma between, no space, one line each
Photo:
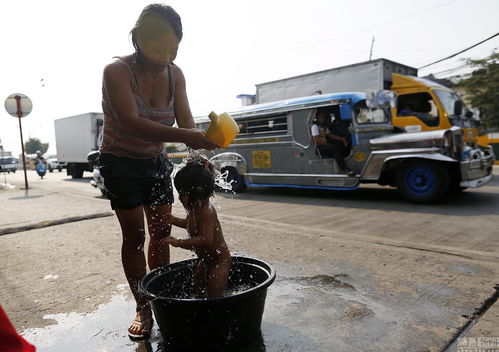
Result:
196,156
221,180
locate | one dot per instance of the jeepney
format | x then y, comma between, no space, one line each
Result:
275,148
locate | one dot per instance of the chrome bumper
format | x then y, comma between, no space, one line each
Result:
477,171
476,183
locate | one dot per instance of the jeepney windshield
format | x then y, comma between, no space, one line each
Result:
448,100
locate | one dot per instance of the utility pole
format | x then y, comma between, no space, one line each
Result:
371,52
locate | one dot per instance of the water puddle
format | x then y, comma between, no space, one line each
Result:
104,330
303,313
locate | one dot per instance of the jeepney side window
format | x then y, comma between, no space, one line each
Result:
365,115
420,105
203,126
268,125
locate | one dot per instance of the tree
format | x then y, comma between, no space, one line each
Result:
33,144
482,89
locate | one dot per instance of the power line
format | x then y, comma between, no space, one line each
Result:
379,25
450,70
460,52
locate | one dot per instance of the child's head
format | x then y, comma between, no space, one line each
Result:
196,181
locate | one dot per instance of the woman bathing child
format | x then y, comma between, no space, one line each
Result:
195,184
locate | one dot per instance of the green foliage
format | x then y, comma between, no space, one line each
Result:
34,144
483,89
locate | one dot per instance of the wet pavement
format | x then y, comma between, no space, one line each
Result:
288,299
375,274
304,311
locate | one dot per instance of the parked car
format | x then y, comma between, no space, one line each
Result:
54,164
8,164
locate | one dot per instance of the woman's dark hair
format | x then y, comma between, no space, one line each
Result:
195,179
166,12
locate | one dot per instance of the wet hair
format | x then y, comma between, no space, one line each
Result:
197,180
166,12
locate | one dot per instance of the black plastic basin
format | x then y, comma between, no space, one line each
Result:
188,323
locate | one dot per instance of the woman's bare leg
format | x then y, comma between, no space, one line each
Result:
133,258
158,253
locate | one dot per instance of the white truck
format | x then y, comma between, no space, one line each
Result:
75,137
369,76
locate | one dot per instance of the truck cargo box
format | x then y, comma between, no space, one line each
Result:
76,136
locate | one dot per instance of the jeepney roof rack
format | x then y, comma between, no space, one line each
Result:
313,101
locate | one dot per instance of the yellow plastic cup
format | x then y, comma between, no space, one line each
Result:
222,130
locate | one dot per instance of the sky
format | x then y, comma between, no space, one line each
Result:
54,51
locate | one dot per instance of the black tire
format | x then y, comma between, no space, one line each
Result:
422,181
238,184
76,171
50,168
455,186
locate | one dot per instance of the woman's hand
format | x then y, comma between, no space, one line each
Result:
197,139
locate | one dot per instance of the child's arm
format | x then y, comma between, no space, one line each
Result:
173,220
204,237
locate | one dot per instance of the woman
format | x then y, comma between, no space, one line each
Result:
143,95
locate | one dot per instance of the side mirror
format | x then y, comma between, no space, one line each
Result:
458,107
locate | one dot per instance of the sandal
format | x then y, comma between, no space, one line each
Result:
144,329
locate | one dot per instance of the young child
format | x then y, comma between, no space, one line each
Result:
195,183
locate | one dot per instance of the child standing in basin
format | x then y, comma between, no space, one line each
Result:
195,184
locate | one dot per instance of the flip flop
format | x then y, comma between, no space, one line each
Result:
143,332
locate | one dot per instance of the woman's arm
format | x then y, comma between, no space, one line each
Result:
116,83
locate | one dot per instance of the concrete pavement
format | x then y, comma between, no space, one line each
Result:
337,289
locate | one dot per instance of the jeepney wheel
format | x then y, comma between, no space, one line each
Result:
238,184
422,181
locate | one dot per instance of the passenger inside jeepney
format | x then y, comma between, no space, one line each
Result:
419,105
332,139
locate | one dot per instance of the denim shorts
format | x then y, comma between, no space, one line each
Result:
134,182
